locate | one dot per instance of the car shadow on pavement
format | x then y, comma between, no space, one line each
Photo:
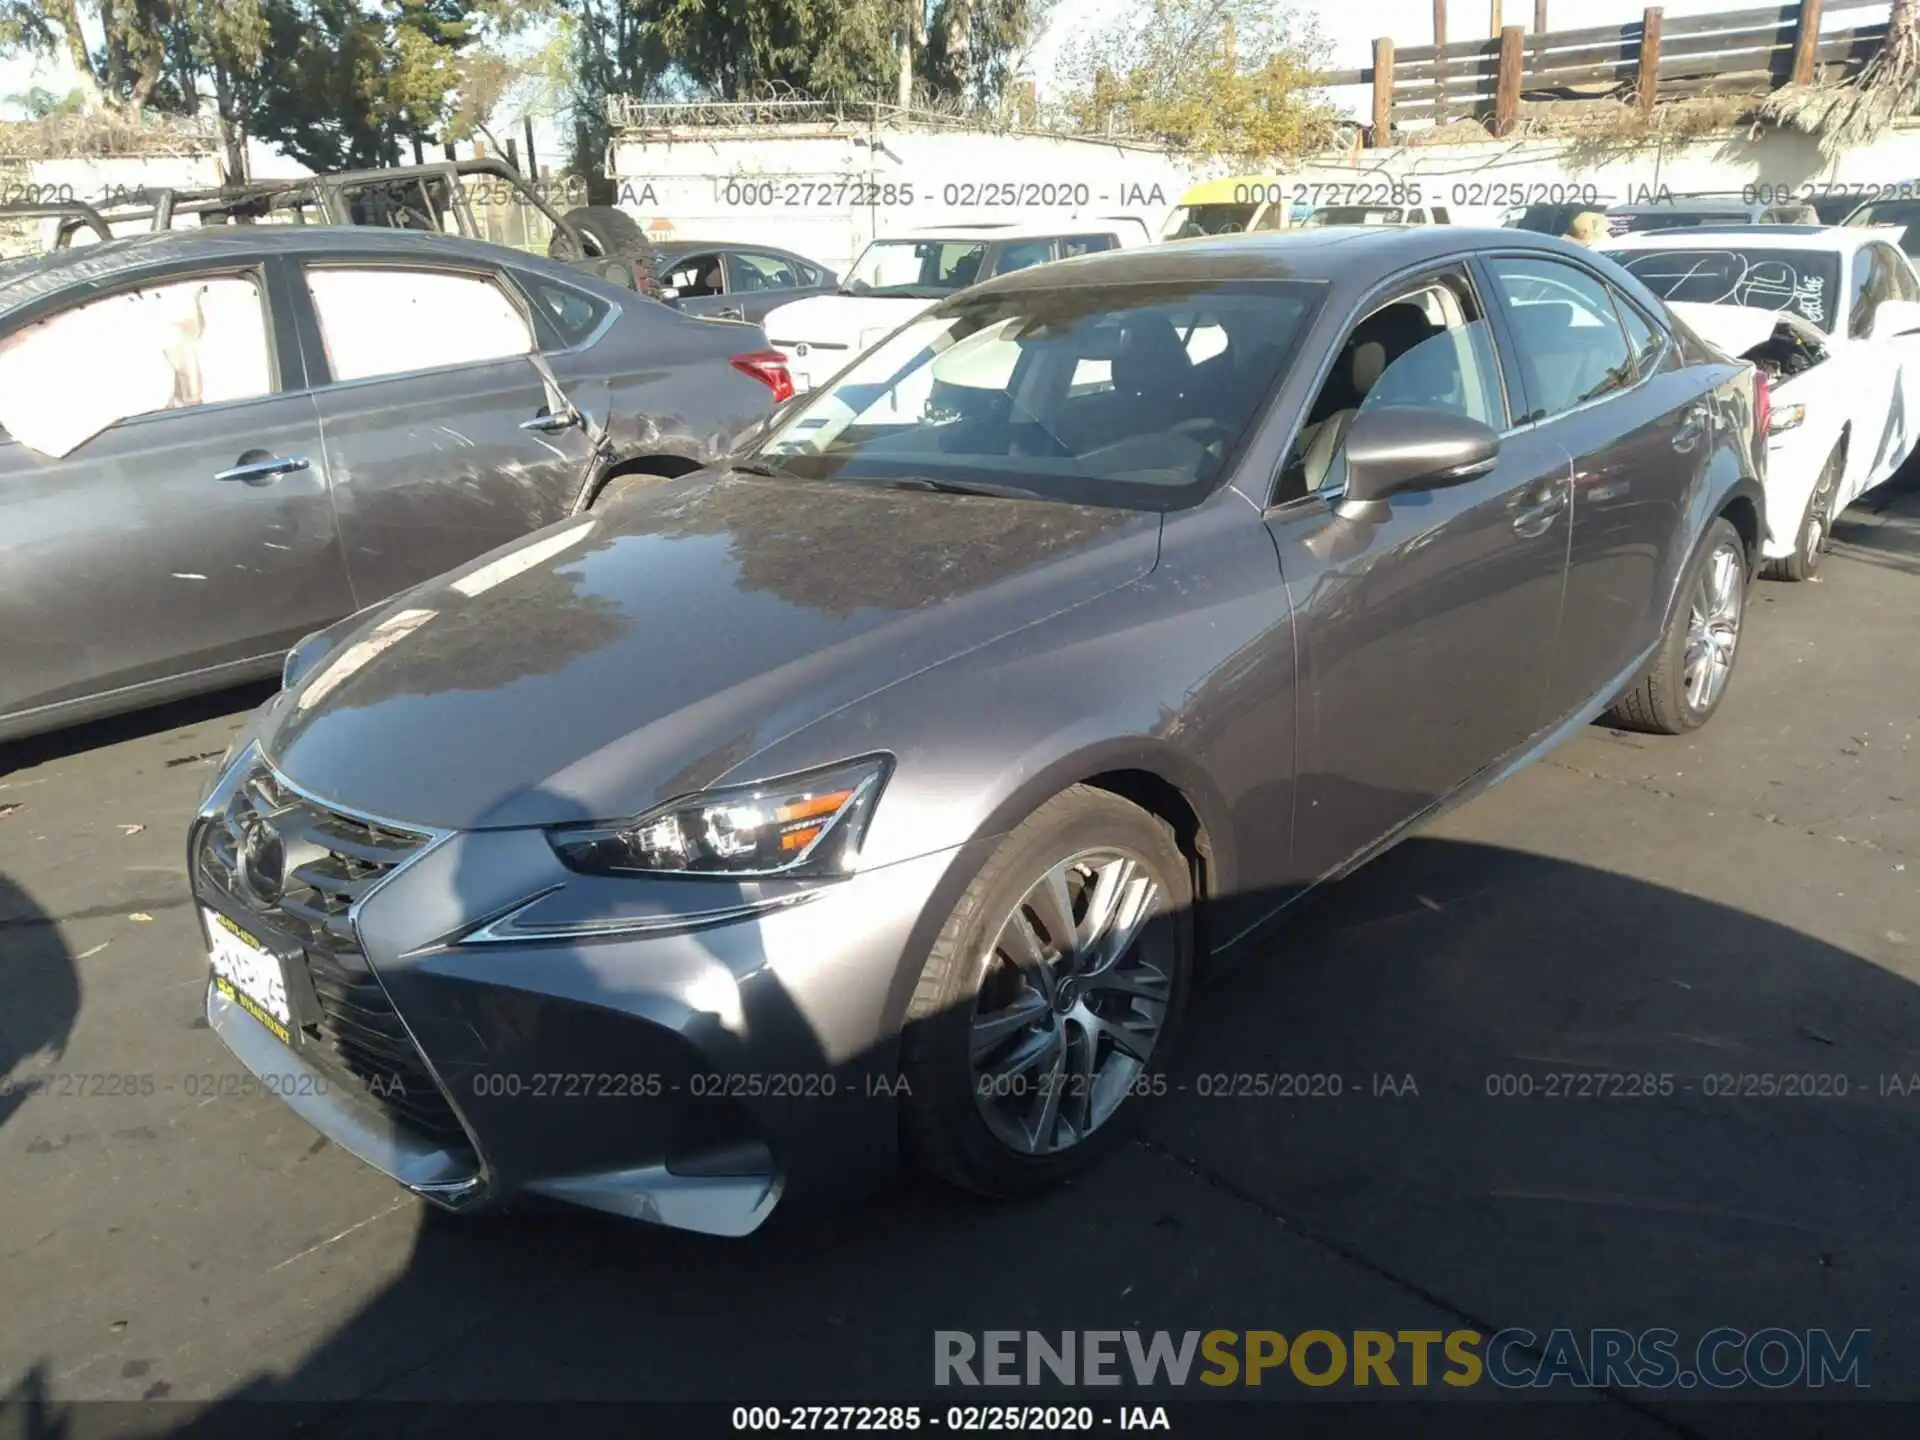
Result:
39,992
115,729
1364,1129
1883,527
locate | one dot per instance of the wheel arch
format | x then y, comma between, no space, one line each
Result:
666,465
1146,771
1744,512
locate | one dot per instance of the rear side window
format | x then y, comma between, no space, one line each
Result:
1905,287
1572,348
574,314
394,322
1870,285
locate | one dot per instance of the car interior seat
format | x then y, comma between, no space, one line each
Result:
1382,338
1152,373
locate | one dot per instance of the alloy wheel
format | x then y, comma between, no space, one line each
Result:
1713,626
1817,510
1072,1002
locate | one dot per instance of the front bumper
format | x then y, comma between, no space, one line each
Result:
1795,459
704,1055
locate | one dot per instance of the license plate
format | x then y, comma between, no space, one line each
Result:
249,974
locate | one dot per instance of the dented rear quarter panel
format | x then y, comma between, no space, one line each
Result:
660,383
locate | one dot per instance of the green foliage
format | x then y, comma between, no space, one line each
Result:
41,103
1226,78
962,51
348,84
351,83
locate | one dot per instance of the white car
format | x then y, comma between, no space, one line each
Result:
1832,318
898,276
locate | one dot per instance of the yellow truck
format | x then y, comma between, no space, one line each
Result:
1230,206
1241,203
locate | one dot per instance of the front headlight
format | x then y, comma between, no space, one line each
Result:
799,825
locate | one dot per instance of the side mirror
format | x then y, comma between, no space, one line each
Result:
1401,447
1895,317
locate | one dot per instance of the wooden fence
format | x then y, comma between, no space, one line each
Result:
1653,59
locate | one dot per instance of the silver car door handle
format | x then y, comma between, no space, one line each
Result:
257,470
550,422
1692,426
1538,517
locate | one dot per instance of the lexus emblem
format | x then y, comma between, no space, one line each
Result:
261,860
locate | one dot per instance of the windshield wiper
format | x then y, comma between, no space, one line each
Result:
762,469
951,487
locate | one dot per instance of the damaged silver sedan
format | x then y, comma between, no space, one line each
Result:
214,443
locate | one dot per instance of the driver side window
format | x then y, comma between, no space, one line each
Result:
1428,348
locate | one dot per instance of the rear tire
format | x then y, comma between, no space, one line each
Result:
1025,1060
1815,525
1688,677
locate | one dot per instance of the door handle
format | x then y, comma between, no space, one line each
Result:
1693,425
550,422
731,313
1537,518
258,472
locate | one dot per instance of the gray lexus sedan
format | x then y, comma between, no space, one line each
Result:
883,791
215,441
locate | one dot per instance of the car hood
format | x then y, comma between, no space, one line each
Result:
850,320
638,653
1736,329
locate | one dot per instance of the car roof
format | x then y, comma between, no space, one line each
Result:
1838,238
1699,205
1353,257
991,230
59,269
687,247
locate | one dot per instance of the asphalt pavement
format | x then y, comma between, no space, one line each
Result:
1742,903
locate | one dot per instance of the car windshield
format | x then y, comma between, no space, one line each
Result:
1191,220
1134,396
1904,213
1358,215
1804,282
916,269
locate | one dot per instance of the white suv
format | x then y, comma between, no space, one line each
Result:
898,276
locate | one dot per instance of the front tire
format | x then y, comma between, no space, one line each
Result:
1051,998
1811,542
1688,677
